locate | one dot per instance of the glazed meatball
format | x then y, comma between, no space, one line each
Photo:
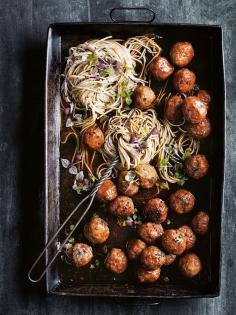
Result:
190,265
122,206
196,166
81,254
200,223
200,130
93,138
205,97
173,108
148,276
126,185
194,110
170,258
155,210
184,80
182,201
150,232
173,242
107,191
160,68
152,258
190,237
144,97
96,230
135,248
116,261
181,54
147,175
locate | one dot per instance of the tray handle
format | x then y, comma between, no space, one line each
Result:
151,19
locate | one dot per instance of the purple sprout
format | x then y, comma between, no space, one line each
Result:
133,139
78,157
101,66
154,132
67,111
116,64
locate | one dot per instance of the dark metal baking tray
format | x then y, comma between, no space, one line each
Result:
59,199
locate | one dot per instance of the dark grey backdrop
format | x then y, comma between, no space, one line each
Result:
23,26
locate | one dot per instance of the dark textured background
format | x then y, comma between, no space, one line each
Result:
23,26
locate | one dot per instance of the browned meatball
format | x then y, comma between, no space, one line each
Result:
196,166
93,138
107,191
147,175
160,68
155,210
200,223
190,265
173,108
148,276
190,237
200,130
150,232
144,97
135,248
184,80
181,54
126,185
170,258
173,242
152,258
116,261
205,97
81,254
96,230
122,206
194,110
182,201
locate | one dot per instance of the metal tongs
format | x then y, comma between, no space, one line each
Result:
90,196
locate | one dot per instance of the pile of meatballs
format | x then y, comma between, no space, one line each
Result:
154,248
173,242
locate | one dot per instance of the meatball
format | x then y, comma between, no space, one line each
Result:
196,166
170,258
116,261
147,175
190,237
160,68
81,254
122,206
152,258
148,276
126,185
93,138
190,265
200,223
181,54
173,108
150,232
96,230
144,97
184,80
200,130
173,242
194,110
205,97
135,248
155,210
107,191
182,201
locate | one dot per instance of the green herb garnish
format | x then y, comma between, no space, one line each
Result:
93,59
186,154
